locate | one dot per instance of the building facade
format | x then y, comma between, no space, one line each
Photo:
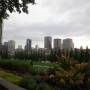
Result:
48,42
68,44
57,44
19,49
28,45
1,24
3,50
11,46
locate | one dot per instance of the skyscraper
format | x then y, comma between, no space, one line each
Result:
0,31
28,44
11,46
68,44
6,44
57,44
48,42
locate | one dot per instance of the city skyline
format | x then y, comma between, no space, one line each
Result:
48,43
59,19
52,43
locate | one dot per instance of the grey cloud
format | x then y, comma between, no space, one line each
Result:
42,29
64,5
64,18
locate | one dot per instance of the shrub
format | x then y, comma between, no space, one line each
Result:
44,86
16,65
64,63
28,83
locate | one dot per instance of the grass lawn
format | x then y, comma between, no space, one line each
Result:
10,77
21,66
27,64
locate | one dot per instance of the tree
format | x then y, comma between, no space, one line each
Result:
82,54
71,53
12,6
87,55
76,54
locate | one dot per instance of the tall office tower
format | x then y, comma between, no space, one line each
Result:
1,31
6,44
57,44
48,42
68,44
28,44
11,46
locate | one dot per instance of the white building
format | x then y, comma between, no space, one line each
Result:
11,46
19,49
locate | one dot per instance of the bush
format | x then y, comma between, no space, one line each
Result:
44,86
34,83
72,76
28,83
16,65
64,63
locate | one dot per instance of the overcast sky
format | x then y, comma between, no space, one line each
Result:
56,18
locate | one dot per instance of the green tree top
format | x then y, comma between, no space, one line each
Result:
13,6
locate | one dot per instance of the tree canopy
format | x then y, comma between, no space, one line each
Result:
11,6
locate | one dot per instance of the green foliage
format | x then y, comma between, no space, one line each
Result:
10,77
4,55
87,55
72,76
16,65
12,6
54,55
69,74
32,83
28,83
44,86
30,55
81,55
64,63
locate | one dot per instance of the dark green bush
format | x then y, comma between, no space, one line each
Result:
34,83
16,65
28,83
64,63
44,86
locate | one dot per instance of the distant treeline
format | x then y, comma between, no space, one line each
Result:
54,55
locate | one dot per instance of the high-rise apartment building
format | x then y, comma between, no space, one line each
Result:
68,44
57,44
48,42
28,44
